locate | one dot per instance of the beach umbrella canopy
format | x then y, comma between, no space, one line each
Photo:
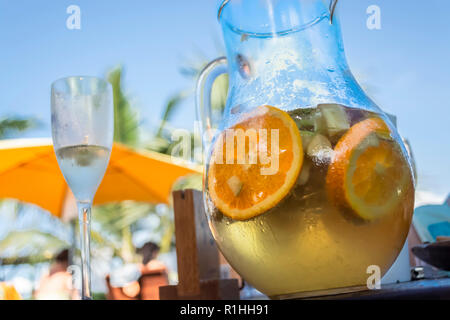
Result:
30,173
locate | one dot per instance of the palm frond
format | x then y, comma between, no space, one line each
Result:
169,109
12,125
192,181
168,228
126,123
115,217
158,144
219,93
30,246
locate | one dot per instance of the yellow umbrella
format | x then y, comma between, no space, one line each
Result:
29,172
8,292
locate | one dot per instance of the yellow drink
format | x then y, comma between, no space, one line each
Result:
306,242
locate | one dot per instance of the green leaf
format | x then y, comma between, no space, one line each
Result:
126,123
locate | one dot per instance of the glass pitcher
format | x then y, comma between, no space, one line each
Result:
307,183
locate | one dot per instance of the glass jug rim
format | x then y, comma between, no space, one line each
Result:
333,4
330,14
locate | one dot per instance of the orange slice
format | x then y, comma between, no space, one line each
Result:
242,188
368,173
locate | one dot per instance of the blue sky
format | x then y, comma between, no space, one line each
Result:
405,65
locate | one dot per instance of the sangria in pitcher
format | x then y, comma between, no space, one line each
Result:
307,182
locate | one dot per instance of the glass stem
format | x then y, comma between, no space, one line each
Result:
84,216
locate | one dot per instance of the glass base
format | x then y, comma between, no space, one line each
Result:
319,293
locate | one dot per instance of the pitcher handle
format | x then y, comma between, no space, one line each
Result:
333,4
203,93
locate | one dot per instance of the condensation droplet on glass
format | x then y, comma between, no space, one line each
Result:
236,109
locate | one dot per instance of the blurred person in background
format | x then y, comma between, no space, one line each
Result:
154,272
139,281
57,284
149,252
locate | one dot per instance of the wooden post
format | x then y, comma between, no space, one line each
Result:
197,254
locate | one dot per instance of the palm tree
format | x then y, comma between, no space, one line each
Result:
118,221
162,139
126,124
113,224
161,142
219,91
29,247
11,126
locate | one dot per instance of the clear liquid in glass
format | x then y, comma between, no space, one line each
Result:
83,167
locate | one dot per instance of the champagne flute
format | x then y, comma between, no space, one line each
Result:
82,130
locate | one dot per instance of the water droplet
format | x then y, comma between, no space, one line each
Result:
236,109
